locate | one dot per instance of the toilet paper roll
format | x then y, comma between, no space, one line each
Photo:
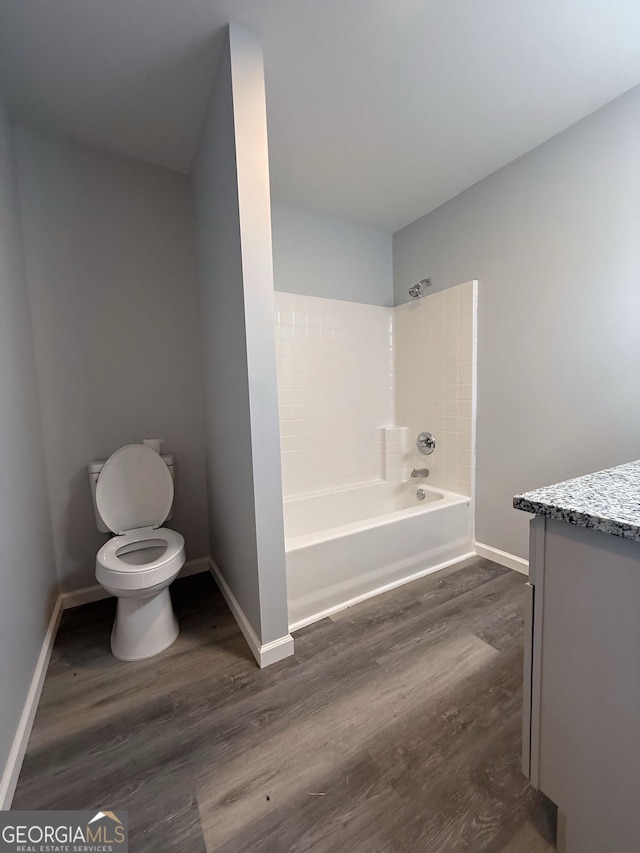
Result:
154,443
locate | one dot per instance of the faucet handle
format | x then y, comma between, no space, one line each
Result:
426,443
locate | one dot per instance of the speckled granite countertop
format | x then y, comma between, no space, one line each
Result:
607,500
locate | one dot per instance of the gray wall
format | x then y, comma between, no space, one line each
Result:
27,567
554,239
112,285
231,196
318,255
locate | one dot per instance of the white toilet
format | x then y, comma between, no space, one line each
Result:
133,497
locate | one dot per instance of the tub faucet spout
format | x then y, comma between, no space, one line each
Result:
420,472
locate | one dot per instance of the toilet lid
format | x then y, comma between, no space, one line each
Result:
134,489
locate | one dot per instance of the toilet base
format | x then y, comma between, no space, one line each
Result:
144,627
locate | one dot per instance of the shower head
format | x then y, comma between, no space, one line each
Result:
418,289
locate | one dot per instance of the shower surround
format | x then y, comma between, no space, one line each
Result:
434,349
336,390
357,383
347,371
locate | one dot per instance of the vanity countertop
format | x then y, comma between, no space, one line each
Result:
608,501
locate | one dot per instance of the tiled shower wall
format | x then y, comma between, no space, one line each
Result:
435,367
336,389
347,370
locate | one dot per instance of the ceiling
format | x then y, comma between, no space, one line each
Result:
379,110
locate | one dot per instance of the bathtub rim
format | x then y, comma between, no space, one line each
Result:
308,540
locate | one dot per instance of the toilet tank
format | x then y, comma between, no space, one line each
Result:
94,474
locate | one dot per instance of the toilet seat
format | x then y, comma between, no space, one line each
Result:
134,490
114,572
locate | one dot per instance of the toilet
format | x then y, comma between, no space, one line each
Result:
133,497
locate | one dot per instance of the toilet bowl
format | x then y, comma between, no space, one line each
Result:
134,495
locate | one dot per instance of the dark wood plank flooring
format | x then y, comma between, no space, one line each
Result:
396,727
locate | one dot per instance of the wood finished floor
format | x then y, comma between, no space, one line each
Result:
396,727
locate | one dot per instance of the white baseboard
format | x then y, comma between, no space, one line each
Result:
266,653
503,558
96,592
12,768
194,567
351,602
85,595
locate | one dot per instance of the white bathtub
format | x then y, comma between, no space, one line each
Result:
347,545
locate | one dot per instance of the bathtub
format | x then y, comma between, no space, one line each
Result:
347,545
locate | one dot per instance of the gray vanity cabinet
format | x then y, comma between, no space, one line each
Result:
581,732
